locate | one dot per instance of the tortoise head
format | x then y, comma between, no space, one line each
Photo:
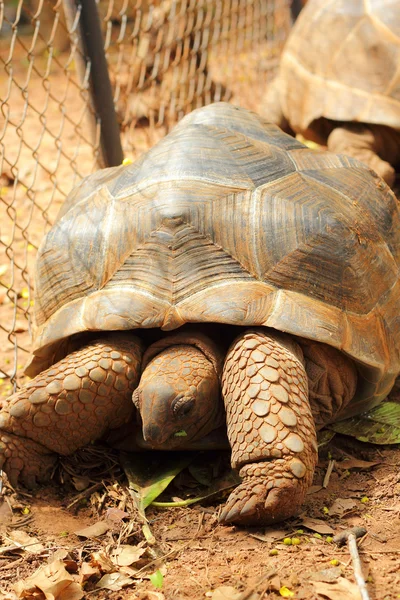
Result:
178,397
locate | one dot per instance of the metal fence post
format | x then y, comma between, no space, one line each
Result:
99,80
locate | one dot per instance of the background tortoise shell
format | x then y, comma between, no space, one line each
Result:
229,220
341,62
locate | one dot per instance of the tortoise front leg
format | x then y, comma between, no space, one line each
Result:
270,428
67,406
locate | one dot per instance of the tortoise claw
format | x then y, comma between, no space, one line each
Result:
26,462
261,501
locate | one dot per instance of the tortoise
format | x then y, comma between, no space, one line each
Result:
338,81
229,276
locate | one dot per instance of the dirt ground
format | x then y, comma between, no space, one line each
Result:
197,556
190,555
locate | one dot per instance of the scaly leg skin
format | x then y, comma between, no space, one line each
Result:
67,406
270,428
375,145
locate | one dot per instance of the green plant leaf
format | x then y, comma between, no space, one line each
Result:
324,437
230,480
150,473
380,425
157,579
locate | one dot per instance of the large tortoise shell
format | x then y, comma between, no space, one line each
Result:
341,62
229,220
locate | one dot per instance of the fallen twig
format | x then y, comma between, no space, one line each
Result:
350,536
85,493
328,473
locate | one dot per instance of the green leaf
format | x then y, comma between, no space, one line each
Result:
157,579
324,437
150,473
381,425
228,481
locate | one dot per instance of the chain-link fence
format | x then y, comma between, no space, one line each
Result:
165,57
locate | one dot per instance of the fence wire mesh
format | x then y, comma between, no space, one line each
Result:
165,58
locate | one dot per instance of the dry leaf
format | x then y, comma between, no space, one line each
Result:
86,571
225,592
116,515
127,555
342,589
314,489
317,525
26,542
100,560
326,575
354,463
342,506
96,530
53,580
270,535
114,581
148,595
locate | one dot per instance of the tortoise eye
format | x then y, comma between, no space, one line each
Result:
182,406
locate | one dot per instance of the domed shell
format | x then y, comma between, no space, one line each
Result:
341,62
229,220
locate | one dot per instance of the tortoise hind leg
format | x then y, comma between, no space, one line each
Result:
67,406
375,145
270,428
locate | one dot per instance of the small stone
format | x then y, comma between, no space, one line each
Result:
41,419
39,396
98,374
62,407
287,416
294,442
72,382
279,392
298,468
269,373
115,355
260,408
267,433
54,387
